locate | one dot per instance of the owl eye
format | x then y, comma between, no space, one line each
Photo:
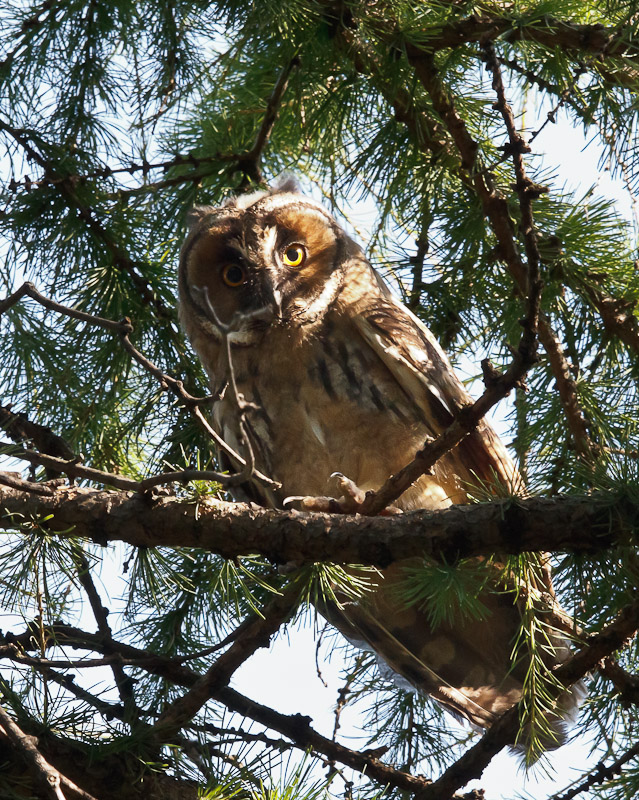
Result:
233,275
294,255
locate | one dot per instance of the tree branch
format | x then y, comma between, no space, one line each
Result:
255,634
43,772
496,210
249,162
295,727
87,214
602,772
585,524
124,328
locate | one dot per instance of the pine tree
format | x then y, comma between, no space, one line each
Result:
115,119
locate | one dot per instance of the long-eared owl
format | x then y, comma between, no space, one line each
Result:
342,378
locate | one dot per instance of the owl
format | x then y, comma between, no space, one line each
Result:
341,378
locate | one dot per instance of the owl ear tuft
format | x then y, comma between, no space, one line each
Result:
286,182
197,214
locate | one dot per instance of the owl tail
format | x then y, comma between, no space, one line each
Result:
466,668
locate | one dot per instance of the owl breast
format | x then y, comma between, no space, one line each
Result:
317,393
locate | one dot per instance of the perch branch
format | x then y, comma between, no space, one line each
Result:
586,524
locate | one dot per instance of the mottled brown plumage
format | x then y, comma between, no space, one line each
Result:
345,379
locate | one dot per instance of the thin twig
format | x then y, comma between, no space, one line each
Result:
122,680
249,163
601,773
496,209
417,261
124,328
75,470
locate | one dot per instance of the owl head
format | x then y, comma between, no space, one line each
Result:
263,259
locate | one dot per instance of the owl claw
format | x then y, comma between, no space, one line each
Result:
326,505
350,488
349,503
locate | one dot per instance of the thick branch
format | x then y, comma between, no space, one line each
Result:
42,770
571,523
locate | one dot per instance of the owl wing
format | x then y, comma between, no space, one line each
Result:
467,666
423,372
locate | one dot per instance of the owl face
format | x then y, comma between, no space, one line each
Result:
266,259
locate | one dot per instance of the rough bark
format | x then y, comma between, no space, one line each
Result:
582,524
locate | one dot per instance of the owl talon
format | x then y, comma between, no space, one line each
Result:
350,503
350,488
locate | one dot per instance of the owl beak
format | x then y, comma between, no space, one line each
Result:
272,298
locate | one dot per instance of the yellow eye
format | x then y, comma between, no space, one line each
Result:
294,255
233,275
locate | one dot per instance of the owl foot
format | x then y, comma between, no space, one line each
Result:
350,502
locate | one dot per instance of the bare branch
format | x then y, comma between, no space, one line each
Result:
44,773
124,328
295,727
602,772
256,634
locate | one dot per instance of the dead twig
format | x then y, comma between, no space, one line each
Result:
124,328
